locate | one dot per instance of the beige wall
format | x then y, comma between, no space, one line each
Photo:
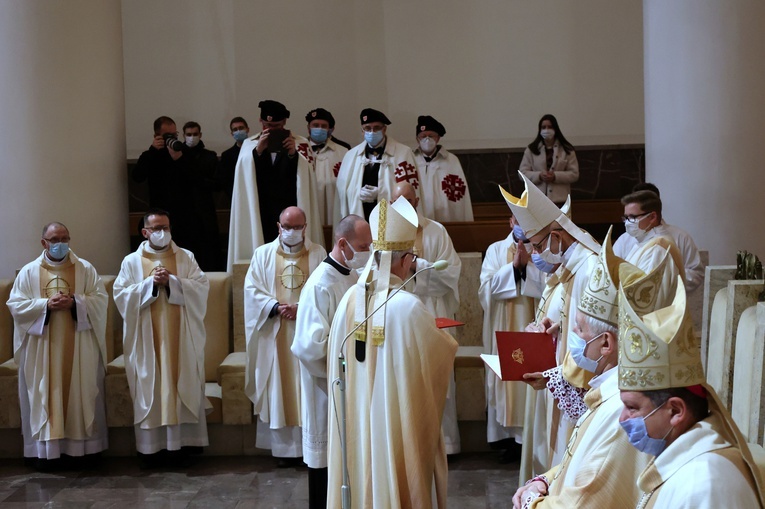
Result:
487,69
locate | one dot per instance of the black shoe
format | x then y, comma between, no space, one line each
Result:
289,462
44,465
511,454
151,461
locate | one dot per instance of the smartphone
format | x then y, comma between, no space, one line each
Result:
276,139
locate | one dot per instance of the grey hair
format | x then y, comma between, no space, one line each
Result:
396,256
598,327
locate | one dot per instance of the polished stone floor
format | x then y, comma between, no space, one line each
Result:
475,481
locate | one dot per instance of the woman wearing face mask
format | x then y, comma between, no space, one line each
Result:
550,161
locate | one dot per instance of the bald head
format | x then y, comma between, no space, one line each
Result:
54,225
406,190
292,216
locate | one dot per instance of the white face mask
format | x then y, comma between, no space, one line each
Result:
635,231
550,257
292,238
160,239
428,145
192,141
547,134
358,260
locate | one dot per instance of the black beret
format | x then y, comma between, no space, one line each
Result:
428,123
368,115
320,114
273,111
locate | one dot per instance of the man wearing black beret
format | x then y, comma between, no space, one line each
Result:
445,194
371,170
274,171
328,155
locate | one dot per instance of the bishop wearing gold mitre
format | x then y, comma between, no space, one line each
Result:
58,304
397,368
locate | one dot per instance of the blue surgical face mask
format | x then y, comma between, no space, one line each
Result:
542,265
59,250
239,135
638,434
373,138
577,345
319,135
518,232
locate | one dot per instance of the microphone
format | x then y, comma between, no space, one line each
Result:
346,486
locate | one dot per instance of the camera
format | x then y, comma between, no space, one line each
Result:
171,141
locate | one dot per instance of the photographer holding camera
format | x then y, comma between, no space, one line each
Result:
180,180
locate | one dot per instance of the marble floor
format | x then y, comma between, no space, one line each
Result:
476,480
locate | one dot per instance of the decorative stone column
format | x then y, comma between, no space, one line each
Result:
63,129
704,69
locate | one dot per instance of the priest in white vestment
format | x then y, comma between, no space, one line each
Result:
270,177
510,289
700,459
569,254
438,290
371,170
396,376
319,298
328,156
161,294
599,466
58,304
272,290
445,196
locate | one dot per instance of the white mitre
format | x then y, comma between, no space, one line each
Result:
394,228
534,211
600,297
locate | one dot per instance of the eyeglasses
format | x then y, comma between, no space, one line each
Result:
56,240
287,227
538,246
160,228
634,219
414,257
372,129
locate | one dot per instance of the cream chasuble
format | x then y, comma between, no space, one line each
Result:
272,376
245,228
61,364
559,303
164,340
507,306
599,465
395,399
396,165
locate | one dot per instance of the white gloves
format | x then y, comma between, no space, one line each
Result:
368,194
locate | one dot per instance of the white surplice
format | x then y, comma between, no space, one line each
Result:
134,295
263,379
444,196
395,399
439,291
507,306
245,231
318,303
396,165
40,360
328,160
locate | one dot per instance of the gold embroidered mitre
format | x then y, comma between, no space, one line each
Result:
658,351
643,290
534,211
394,228
600,298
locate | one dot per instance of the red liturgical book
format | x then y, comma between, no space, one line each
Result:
445,323
520,353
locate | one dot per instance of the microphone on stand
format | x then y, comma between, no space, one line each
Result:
346,487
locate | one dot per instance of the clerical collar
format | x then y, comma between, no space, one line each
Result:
55,263
150,249
340,268
377,151
291,249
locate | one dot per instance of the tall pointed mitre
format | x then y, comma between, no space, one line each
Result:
566,207
659,351
600,297
648,292
394,228
534,211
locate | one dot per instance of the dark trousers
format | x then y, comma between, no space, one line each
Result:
317,488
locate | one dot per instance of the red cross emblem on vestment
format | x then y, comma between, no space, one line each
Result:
406,172
306,152
453,187
336,169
